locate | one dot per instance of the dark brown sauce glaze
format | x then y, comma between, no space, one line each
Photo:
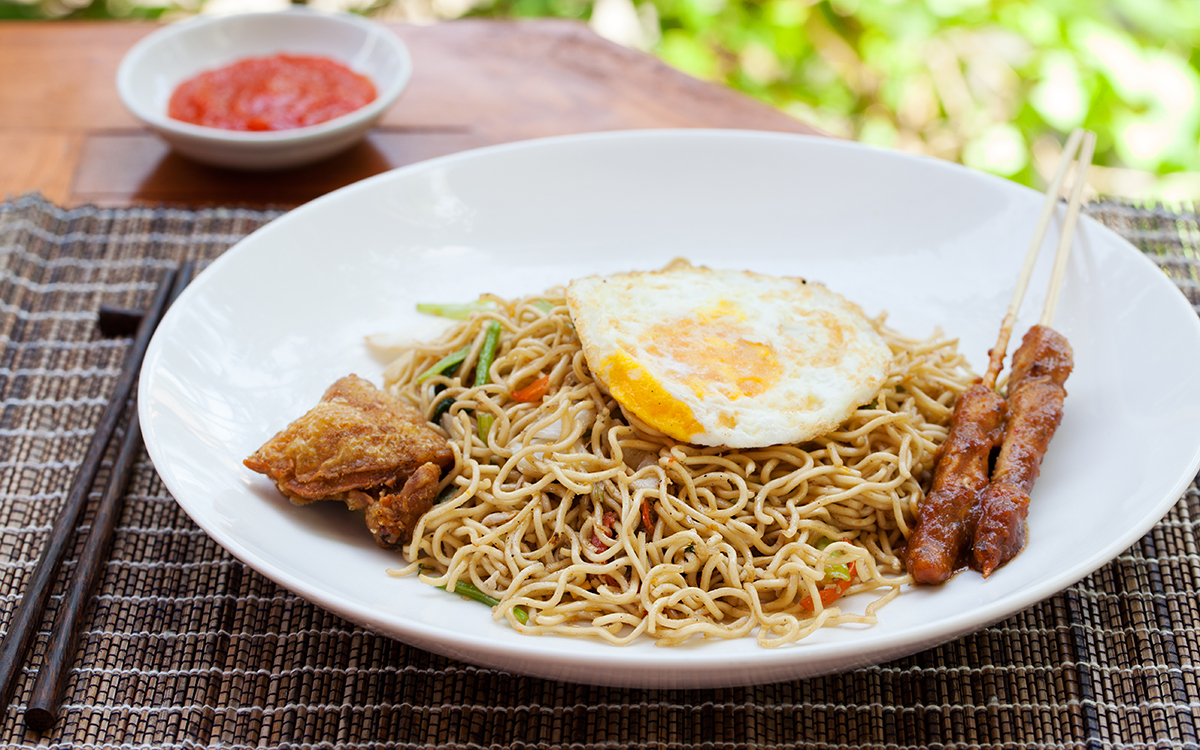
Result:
946,521
1035,408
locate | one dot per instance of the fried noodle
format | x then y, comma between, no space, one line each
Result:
596,525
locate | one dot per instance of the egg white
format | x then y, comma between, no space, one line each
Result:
728,358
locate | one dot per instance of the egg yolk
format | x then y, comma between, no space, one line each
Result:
634,387
706,354
712,355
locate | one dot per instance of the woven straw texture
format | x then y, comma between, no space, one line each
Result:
184,646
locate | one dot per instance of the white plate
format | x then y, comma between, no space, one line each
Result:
255,340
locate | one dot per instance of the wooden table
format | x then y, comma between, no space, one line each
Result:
65,133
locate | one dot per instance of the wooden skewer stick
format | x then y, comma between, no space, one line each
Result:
1068,230
998,352
1036,389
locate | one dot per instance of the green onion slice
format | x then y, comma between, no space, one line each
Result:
485,425
487,355
471,591
445,363
456,311
837,572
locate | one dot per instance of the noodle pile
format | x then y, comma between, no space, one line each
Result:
583,522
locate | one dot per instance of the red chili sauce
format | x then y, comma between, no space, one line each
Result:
279,92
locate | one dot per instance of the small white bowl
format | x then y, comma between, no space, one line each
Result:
156,65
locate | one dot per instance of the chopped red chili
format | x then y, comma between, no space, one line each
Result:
649,517
607,521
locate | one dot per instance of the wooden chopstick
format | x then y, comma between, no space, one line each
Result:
28,615
42,710
998,352
1068,230
60,651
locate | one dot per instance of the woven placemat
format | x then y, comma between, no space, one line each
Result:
184,646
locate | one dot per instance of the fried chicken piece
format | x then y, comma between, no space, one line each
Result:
393,517
358,445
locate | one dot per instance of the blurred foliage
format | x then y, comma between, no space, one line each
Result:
995,84
23,10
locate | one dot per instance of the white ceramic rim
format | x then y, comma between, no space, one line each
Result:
668,670
160,120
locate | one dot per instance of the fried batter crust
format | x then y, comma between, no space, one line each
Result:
357,445
393,518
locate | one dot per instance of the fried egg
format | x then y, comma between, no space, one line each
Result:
728,358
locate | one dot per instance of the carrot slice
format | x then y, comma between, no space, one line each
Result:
534,391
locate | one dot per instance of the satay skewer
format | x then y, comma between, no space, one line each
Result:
1036,389
997,353
947,519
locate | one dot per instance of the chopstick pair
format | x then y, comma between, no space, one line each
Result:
1082,142
47,692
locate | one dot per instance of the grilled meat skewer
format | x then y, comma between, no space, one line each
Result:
1040,368
953,518
946,521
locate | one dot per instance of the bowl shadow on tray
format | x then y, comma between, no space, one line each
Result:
168,177
142,166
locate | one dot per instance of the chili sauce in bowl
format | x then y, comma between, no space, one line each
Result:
261,91
278,92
